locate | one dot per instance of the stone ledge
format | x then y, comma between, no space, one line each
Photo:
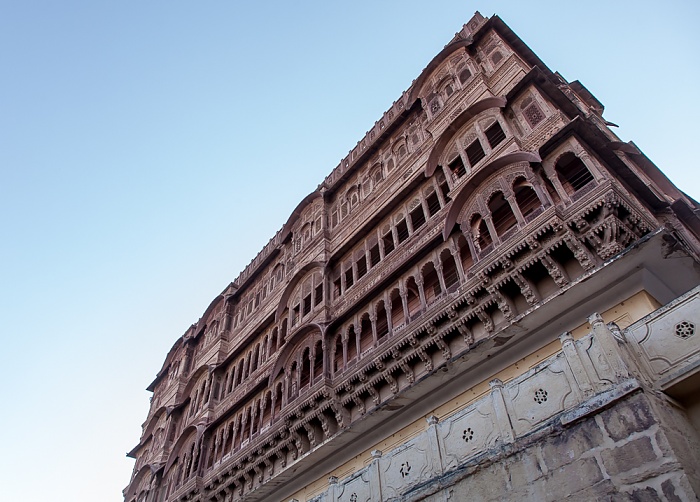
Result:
600,401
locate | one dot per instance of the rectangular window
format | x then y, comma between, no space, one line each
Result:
445,189
361,267
374,255
336,288
307,304
433,204
495,134
388,241
295,315
348,278
318,295
417,217
402,231
475,153
457,167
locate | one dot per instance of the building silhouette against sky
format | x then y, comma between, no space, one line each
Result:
490,297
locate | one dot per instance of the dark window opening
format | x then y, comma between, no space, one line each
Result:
307,304
457,167
382,322
388,240
464,75
336,288
348,278
366,337
526,198
501,214
449,269
361,267
295,314
417,217
352,343
445,189
431,283
318,295
433,204
573,173
495,134
475,153
402,231
374,255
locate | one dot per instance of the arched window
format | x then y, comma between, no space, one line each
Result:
366,338
412,298
382,321
352,343
525,197
293,380
449,269
267,411
254,360
305,368
501,214
465,253
480,231
278,398
273,341
573,173
431,283
397,315
318,361
338,354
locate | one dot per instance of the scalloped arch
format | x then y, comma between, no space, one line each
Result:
475,181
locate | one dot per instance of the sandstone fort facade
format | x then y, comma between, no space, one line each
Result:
491,297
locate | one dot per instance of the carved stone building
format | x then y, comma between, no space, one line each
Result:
490,295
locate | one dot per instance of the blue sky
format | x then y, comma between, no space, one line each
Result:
148,150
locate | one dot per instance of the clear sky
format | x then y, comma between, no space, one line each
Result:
148,150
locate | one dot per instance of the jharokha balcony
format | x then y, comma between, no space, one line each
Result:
485,278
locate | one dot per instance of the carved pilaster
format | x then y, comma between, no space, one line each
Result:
581,373
502,416
609,344
436,462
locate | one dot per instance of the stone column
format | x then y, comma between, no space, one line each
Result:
591,166
373,321
454,251
492,229
441,278
516,209
421,291
404,301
